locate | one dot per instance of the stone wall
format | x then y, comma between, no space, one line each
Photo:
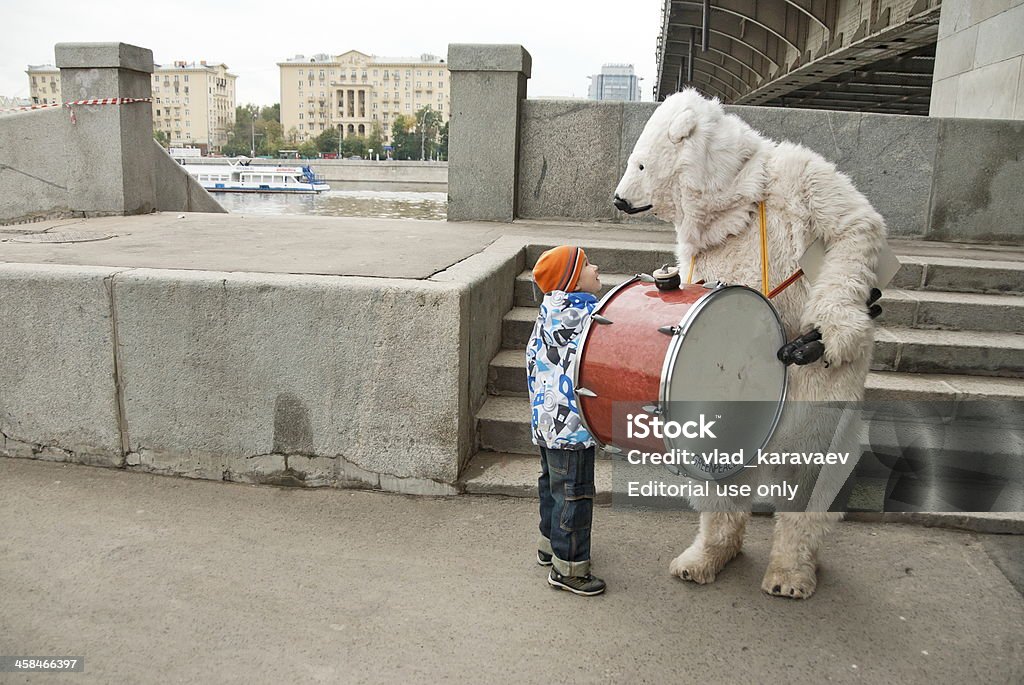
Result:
932,178
979,60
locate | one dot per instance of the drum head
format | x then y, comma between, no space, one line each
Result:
723,369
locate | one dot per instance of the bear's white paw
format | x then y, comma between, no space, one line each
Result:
700,564
795,583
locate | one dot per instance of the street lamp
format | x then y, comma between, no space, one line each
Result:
252,149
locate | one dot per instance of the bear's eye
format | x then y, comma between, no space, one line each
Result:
641,167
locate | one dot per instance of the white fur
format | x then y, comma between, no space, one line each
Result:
706,171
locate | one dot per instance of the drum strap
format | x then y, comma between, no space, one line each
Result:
793,278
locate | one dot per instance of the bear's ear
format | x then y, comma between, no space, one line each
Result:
682,125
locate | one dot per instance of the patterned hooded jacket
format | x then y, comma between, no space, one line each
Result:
550,356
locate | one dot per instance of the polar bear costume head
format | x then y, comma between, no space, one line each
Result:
692,158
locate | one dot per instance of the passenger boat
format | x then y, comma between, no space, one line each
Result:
242,178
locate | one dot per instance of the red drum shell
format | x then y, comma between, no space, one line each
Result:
622,362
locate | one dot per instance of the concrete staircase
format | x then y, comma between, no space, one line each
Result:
952,328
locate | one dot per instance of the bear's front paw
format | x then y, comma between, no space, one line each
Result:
804,350
845,333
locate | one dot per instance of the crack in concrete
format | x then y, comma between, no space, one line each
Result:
122,418
35,178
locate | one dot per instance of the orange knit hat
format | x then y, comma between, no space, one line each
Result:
559,268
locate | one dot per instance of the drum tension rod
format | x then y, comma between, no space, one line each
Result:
612,449
585,392
645,278
669,330
601,319
651,409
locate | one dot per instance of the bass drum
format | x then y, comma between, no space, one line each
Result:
699,358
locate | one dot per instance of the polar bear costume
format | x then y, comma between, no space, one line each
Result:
707,171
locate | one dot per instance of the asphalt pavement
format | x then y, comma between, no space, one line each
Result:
158,579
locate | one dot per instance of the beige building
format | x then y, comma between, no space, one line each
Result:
352,91
44,84
193,103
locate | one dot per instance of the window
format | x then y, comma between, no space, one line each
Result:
302,127
408,107
300,116
374,72
408,73
300,72
419,84
186,78
430,73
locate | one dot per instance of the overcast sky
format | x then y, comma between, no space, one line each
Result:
568,39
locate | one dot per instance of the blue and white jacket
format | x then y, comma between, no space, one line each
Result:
550,359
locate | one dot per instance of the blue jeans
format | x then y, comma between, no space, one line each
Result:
566,488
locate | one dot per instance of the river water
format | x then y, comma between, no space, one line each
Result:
366,203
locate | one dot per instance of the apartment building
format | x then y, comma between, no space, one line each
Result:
44,84
193,102
353,90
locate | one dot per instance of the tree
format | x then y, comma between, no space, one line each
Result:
353,145
272,140
271,113
328,140
405,144
252,121
308,149
428,121
161,137
442,147
375,141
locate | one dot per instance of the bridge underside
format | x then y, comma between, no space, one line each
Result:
826,54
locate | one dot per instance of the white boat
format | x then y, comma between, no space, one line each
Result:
240,177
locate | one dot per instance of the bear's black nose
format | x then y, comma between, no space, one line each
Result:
621,204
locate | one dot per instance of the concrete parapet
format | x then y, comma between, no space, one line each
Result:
33,171
938,179
231,373
178,190
976,187
109,149
58,398
92,160
486,298
487,90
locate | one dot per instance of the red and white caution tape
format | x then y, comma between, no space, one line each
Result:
70,104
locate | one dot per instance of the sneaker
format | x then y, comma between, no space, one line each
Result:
543,559
587,585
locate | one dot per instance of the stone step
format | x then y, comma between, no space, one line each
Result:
971,353
503,425
953,311
896,349
928,309
507,376
927,265
956,274
615,257
515,475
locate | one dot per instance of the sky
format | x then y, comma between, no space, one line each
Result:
568,39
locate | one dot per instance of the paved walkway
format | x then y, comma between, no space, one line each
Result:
156,579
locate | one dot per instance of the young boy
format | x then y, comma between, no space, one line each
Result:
570,285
